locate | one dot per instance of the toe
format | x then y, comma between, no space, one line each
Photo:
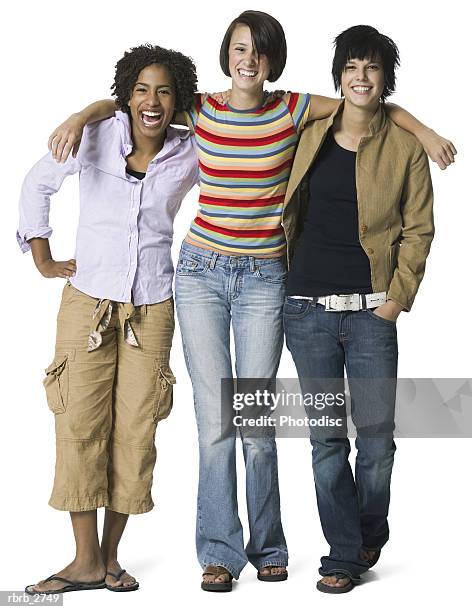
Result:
208,578
222,578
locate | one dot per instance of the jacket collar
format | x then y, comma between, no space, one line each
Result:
376,124
311,141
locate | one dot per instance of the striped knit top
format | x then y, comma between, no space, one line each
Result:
245,158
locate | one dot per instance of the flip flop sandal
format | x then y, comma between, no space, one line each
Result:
374,559
69,586
217,587
326,588
122,588
271,577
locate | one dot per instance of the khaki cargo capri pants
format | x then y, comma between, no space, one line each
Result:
109,385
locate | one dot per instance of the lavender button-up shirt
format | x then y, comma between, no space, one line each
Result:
124,237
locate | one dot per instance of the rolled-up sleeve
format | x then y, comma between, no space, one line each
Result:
44,179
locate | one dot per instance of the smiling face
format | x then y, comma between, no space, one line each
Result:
248,69
152,101
362,82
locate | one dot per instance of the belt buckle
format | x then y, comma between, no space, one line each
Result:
344,302
351,302
355,302
328,307
336,303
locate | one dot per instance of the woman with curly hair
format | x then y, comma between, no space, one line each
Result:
231,273
110,382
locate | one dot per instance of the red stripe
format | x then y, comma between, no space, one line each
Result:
238,233
292,103
205,199
244,142
246,173
198,103
223,107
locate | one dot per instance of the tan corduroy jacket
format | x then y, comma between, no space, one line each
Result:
395,202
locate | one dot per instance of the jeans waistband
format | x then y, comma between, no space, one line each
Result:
242,259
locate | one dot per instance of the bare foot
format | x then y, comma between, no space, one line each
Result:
210,578
272,570
76,572
335,581
125,580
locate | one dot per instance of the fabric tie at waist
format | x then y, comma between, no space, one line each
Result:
101,319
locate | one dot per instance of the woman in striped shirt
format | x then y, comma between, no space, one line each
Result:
231,272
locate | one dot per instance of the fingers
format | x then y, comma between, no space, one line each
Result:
57,145
445,155
450,151
441,163
67,268
51,139
61,148
61,144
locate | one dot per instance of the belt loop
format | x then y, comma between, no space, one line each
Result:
364,301
252,264
214,257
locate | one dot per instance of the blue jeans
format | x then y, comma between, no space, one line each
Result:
213,292
353,512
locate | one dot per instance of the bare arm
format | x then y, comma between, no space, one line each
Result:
322,107
45,263
439,149
67,136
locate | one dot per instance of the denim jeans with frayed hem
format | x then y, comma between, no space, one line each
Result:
214,293
353,510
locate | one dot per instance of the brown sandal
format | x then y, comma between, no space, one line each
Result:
219,587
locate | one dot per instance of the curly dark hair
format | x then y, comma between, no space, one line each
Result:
136,59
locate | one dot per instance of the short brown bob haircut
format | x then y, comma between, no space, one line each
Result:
268,39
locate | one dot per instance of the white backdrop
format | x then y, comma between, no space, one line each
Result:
58,56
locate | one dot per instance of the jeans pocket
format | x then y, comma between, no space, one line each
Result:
381,319
56,383
274,271
294,309
164,390
191,263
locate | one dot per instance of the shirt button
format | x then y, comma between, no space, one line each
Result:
370,251
364,228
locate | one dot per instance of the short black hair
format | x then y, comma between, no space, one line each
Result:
136,59
365,42
268,38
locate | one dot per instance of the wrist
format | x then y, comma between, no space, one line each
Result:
394,308
80,117
43,262
423,132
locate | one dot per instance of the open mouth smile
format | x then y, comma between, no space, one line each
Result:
361,89
151,119
249,74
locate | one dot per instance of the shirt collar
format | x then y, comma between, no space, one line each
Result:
174,137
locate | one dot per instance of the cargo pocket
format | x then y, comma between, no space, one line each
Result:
56,383
164,390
